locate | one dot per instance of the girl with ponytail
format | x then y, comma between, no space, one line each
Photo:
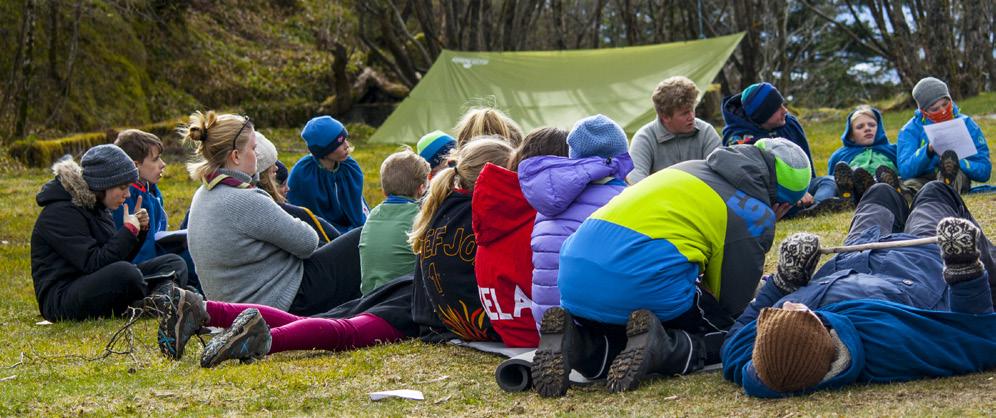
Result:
446,303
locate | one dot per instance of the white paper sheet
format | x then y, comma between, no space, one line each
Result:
403,393
951,135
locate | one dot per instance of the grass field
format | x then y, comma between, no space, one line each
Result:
47,370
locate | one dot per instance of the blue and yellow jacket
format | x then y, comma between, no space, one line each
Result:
708,220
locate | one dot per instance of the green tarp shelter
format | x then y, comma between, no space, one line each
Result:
552,88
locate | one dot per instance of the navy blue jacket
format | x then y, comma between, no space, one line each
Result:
740,129
889,307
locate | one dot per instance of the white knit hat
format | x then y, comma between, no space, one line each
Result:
266,153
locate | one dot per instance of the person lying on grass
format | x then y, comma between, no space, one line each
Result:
877,316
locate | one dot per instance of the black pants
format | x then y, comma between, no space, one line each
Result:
110,290
883,208
331,276
695,338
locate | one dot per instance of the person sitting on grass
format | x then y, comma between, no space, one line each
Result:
759,112
328,181
877,316
675,134
435,148
251,331
866,156
80,263
919,163
565,191
246,248
650,282
480,122
385,253
447,303
503,223
146,151
266,169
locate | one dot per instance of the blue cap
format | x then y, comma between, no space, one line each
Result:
323,135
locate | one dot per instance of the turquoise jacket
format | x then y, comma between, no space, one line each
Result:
915,161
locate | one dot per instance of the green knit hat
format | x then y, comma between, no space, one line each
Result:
792,170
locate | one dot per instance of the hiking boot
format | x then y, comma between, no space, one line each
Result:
248,340
831,205
888,176
183,315
646,340
551,367
958,239
863,180
798,256
844,177
948,169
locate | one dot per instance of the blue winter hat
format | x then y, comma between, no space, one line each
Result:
434,146
596,136
323,135
760,101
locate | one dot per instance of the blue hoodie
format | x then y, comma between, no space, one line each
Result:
336,196
152,201
913,158
740,129
850,150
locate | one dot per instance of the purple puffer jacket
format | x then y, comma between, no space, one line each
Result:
564,193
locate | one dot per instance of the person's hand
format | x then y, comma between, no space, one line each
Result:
806,201
132,218
781,209
142,214
930,148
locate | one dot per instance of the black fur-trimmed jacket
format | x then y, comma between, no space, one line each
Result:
74,234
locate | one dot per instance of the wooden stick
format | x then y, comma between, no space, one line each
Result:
878,245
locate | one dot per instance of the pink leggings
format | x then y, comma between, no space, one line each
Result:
292,332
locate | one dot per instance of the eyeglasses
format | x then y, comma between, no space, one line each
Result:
236,138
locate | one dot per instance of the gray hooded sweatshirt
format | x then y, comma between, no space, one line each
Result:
654,148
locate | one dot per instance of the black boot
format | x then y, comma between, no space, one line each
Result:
863,181
183,316
844,177
653,350
248,340
888,176
551,368
949,168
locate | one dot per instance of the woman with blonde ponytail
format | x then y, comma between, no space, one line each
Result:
446,302
246,248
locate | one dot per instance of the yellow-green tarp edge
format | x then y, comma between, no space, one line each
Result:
552,88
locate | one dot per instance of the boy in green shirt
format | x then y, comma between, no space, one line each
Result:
384,250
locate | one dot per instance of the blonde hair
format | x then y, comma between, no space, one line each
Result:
268,182
863,110
674,94
403,172
214,135
481,121
469,161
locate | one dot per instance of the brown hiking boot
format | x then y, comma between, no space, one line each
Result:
844,177
888,176
863,181
948,169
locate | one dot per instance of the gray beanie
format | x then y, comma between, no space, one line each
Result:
929,90
106,166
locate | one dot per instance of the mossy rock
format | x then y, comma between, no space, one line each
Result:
40,153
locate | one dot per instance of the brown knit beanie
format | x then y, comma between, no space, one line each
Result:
792,351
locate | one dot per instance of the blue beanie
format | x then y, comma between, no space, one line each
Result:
596,136
760,101
323,135
434,146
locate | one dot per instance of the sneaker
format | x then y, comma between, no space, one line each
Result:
844,177
888,176
551,369
182,316
646,339
248,340
832,205
863,180
948,169
958,239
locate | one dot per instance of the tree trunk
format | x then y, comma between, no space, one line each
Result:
27,68
340,76
53,41
750,47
